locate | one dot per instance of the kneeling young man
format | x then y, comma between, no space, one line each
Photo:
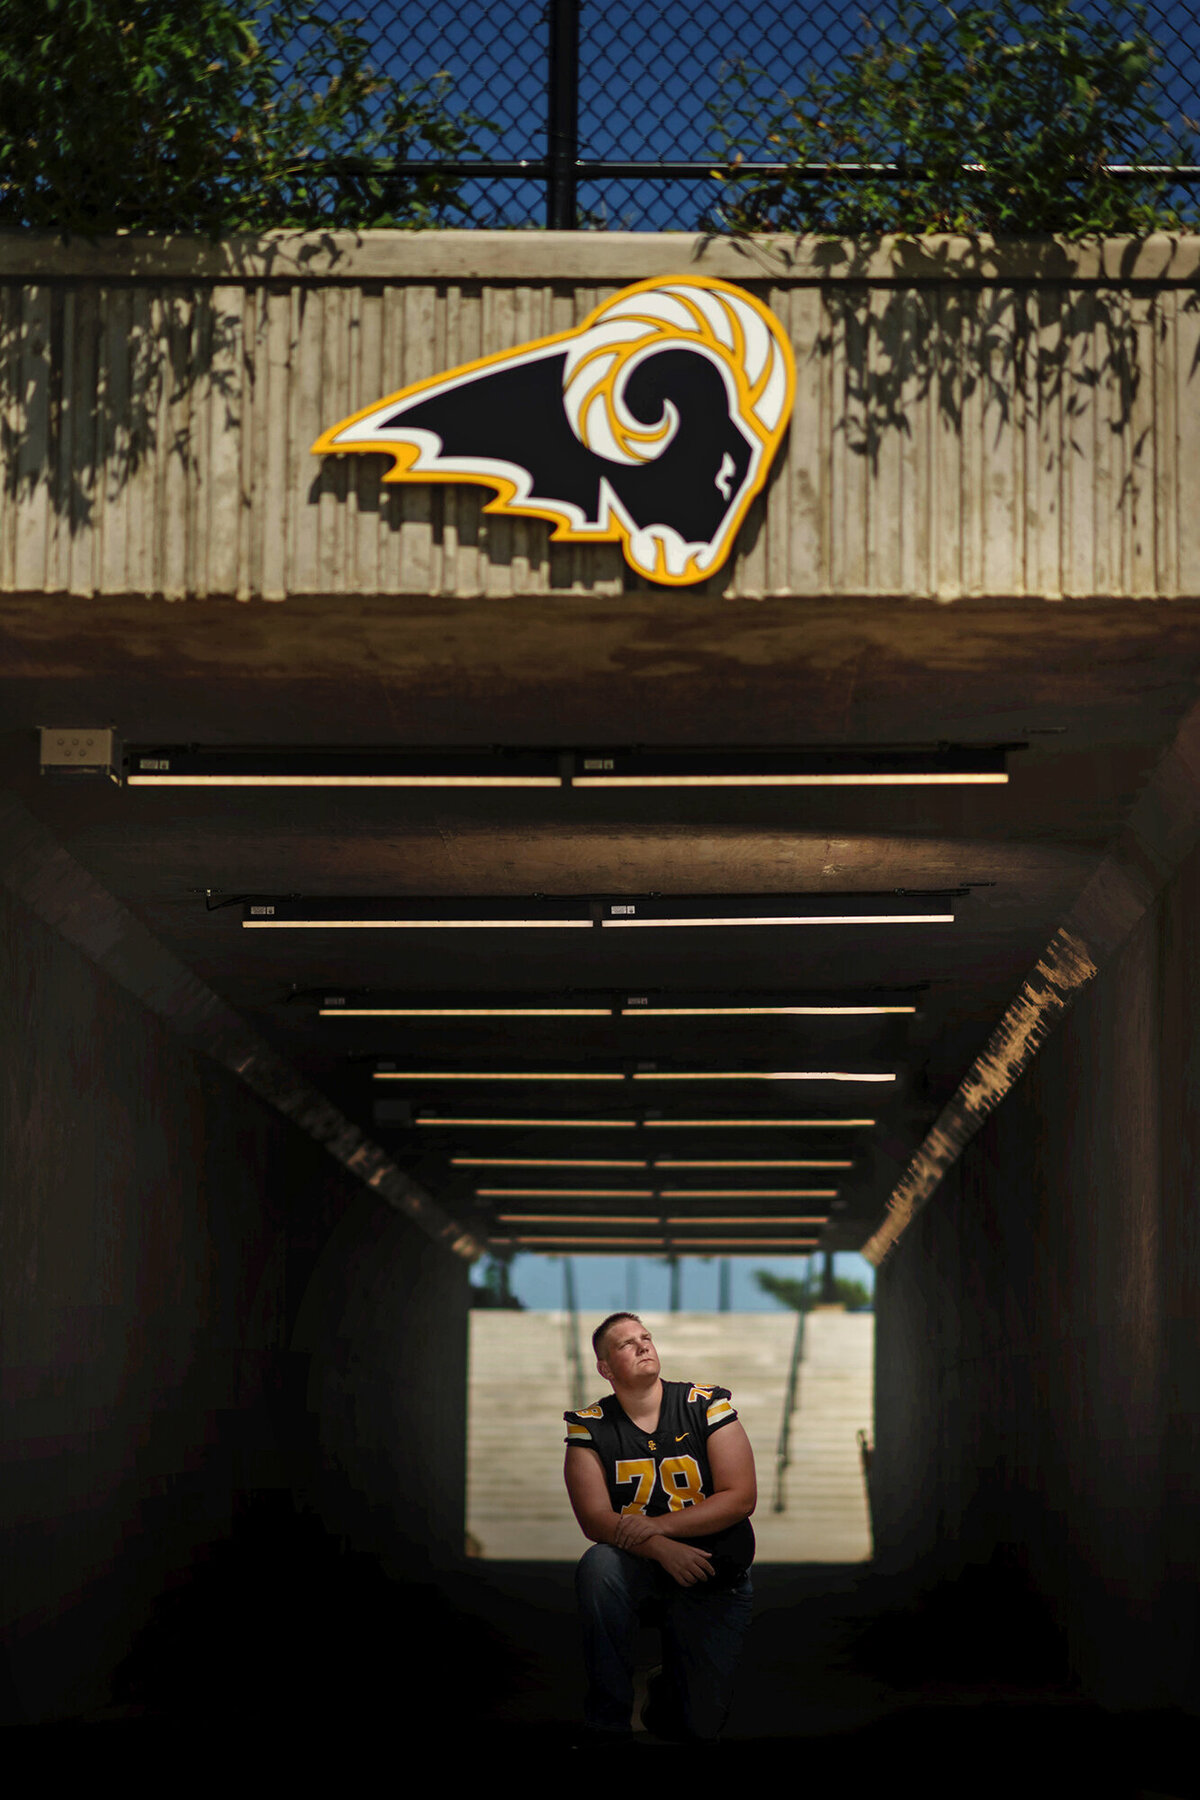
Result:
660,1475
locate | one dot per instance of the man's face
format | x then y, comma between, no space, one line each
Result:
629,1353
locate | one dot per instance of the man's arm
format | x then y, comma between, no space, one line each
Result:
734,1496
588,1494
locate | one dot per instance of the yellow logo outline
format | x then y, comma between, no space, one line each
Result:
720,333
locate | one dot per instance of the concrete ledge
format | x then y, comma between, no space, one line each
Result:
523,256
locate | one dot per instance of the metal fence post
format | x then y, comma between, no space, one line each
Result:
562,122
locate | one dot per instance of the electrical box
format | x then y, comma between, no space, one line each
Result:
76,750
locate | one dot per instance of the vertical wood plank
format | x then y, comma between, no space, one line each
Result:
10,417
178,453
223,402
421,570
32,459
1143,559
273,524
887,379
1187,415
1166,433
363,503
1078,447
971,484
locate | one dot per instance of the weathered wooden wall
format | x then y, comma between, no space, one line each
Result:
970,418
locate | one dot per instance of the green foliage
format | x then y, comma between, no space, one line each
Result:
800,1296
999,119
150,116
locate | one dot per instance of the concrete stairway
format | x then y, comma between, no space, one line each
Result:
519,1385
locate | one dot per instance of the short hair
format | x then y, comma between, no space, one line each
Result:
612,1319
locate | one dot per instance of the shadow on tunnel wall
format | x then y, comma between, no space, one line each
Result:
1038,1386
233,1453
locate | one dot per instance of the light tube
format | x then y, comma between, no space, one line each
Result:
604,1246
716,1012
747,1219
551,1162
766,1124
548,1193
614,1219
464,1012
339,781
897,780
575,1219
486,1075
589,1124
645,1075
666,1162
757,1075
648,1124
582,1193
670,1193
416,925
791,919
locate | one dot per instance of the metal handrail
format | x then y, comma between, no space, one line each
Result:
790,1402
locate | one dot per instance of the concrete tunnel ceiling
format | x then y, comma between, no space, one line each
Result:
1094,692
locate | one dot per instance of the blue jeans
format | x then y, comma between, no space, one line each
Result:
702,1630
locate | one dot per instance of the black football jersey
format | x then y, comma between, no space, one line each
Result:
667,1469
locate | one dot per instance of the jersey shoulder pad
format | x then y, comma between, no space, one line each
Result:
717,1403
578,1429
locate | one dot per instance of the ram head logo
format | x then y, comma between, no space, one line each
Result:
653,423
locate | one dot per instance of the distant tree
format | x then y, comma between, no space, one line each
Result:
797,1294
1001,118
217,116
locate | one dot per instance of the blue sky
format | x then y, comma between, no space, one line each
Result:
650,77
608,1283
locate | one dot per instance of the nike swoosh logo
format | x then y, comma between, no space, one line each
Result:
681,1436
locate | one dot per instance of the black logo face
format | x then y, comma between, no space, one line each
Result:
652,424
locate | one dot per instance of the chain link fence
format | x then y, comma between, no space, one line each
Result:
608,113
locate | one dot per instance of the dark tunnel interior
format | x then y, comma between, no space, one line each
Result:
238,1256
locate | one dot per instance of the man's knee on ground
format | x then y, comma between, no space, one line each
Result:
603,1569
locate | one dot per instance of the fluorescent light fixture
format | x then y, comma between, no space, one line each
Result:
340,766
678,921
578,1193
598,1004
577,913
642,1162
894,766
724,1193
667,1193
464,1012
489,1075
760,1124
798,1012
754,1219
575,1219
756,1075
639,1075
667,1162
430,924
768,1124
633,1219
604,1246
523,1124
831,780
550,1162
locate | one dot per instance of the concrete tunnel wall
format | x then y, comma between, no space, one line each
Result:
1038,1374
219,1352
